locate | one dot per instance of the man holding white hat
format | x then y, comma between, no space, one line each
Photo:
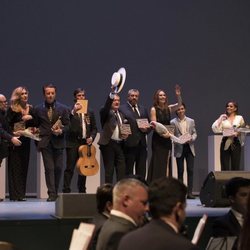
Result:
111,137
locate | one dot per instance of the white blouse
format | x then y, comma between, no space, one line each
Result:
237,123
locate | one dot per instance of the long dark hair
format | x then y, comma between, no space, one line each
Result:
156,99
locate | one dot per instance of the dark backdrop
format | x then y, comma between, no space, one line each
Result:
202,45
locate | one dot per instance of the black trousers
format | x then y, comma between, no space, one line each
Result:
18,164
188,156
53,164
136,157
230,158
114,160
72,157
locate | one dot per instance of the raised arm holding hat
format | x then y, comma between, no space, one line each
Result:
111,140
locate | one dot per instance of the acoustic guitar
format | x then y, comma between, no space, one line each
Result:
87,164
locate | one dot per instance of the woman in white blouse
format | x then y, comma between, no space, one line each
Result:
230,149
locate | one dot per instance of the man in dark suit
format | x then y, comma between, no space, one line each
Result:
5,136
52,119
82,131
104,201
230,224
112,139
167,203
135,146
130,198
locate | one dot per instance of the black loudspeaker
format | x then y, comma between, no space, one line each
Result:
75,205
213,193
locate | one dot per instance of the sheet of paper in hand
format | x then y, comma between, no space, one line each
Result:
182,139
185,138
81,237
125,129
84,108
142,123
199,229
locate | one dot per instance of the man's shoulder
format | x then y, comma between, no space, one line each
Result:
157,234
39,106
174,120
189,119
224,217
62,105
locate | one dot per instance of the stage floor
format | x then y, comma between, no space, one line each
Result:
33,224
39,209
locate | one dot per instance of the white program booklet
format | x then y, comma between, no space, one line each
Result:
81,237
199,229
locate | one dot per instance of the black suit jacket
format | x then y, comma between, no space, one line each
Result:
137,135
5,136
4,128
226,225
74,134
155,235
108,122
42,121
98,220
112,231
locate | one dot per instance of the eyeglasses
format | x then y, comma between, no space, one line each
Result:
4,101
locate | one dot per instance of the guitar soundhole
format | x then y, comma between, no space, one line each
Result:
92,166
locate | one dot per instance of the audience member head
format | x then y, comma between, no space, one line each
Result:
167,200
130,196
104,198
237,190
3,103
138,177
244,240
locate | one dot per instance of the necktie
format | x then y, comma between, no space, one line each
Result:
80,118
82,124
50,113
136,113
118,120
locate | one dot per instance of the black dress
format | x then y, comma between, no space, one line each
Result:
161,148
18,160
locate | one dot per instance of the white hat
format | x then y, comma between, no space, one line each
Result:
118,79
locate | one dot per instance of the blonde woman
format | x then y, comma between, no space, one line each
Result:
19,114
